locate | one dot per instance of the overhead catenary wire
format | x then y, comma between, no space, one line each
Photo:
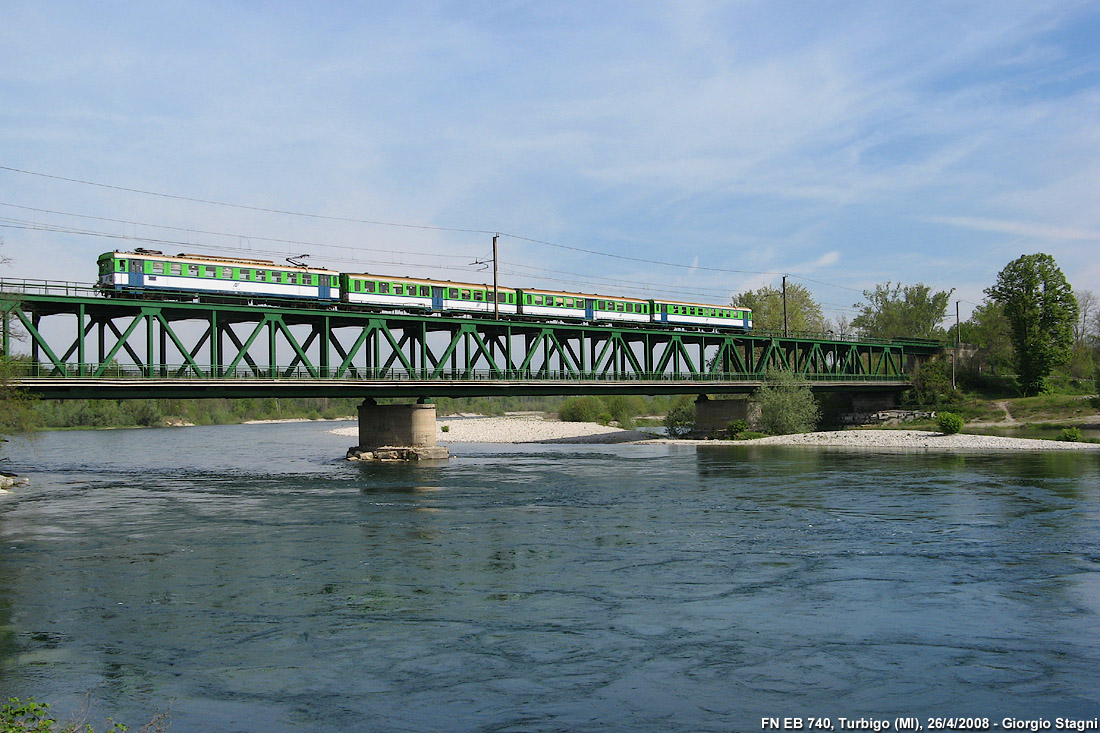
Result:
405,225
375,222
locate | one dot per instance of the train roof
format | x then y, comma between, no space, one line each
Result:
207,259
701,305
428,281
585,295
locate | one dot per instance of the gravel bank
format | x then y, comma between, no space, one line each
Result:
522,429
535,429
919,440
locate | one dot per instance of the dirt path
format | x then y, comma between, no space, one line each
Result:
1009,420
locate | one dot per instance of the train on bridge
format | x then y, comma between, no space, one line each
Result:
145,271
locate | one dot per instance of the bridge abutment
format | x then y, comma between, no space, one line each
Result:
396,432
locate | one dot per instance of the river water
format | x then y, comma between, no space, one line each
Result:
251,580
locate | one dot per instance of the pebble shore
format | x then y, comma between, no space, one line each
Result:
535,429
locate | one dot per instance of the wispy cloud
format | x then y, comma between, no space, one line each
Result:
1019,228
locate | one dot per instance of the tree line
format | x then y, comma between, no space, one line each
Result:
1031,324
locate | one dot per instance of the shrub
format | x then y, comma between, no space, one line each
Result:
581,409
1071,435
445,428
787,404
680,420
949,423
750,435
737,427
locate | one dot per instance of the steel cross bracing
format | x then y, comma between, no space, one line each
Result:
82,344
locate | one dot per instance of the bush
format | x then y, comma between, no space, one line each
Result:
445,428
787,404
737,427
581,409
750,435
949,423
1071,435
680,420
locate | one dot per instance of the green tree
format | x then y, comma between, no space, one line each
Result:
787,404
932,383
988,329
896,311
803,312
1042,312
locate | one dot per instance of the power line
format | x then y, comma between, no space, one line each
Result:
247,207
373,222
217,234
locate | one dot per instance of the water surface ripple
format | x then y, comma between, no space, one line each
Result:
258,583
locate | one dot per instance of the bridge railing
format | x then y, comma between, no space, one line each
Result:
46,287
189,372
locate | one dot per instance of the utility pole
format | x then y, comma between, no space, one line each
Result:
955,356
785,334
496,298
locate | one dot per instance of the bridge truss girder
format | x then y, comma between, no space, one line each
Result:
93,337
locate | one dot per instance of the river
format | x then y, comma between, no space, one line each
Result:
251,580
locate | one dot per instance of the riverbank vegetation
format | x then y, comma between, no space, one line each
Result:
31,715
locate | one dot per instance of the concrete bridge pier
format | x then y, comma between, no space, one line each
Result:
714,416
396,433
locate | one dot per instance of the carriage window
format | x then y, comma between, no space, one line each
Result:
538,299
502,297
398,289
465,294
478,295
383,287
157,268
452,293
559,302
425,291
175,268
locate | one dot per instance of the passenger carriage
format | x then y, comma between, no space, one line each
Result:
150,270
442,296
701,314
576,306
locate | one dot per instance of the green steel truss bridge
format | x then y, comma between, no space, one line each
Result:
66,340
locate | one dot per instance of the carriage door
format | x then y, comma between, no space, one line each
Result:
136,267
589,309
437,298
324,291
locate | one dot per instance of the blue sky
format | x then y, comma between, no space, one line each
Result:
843,143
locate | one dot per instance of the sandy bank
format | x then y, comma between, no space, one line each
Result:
522,429
534,429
